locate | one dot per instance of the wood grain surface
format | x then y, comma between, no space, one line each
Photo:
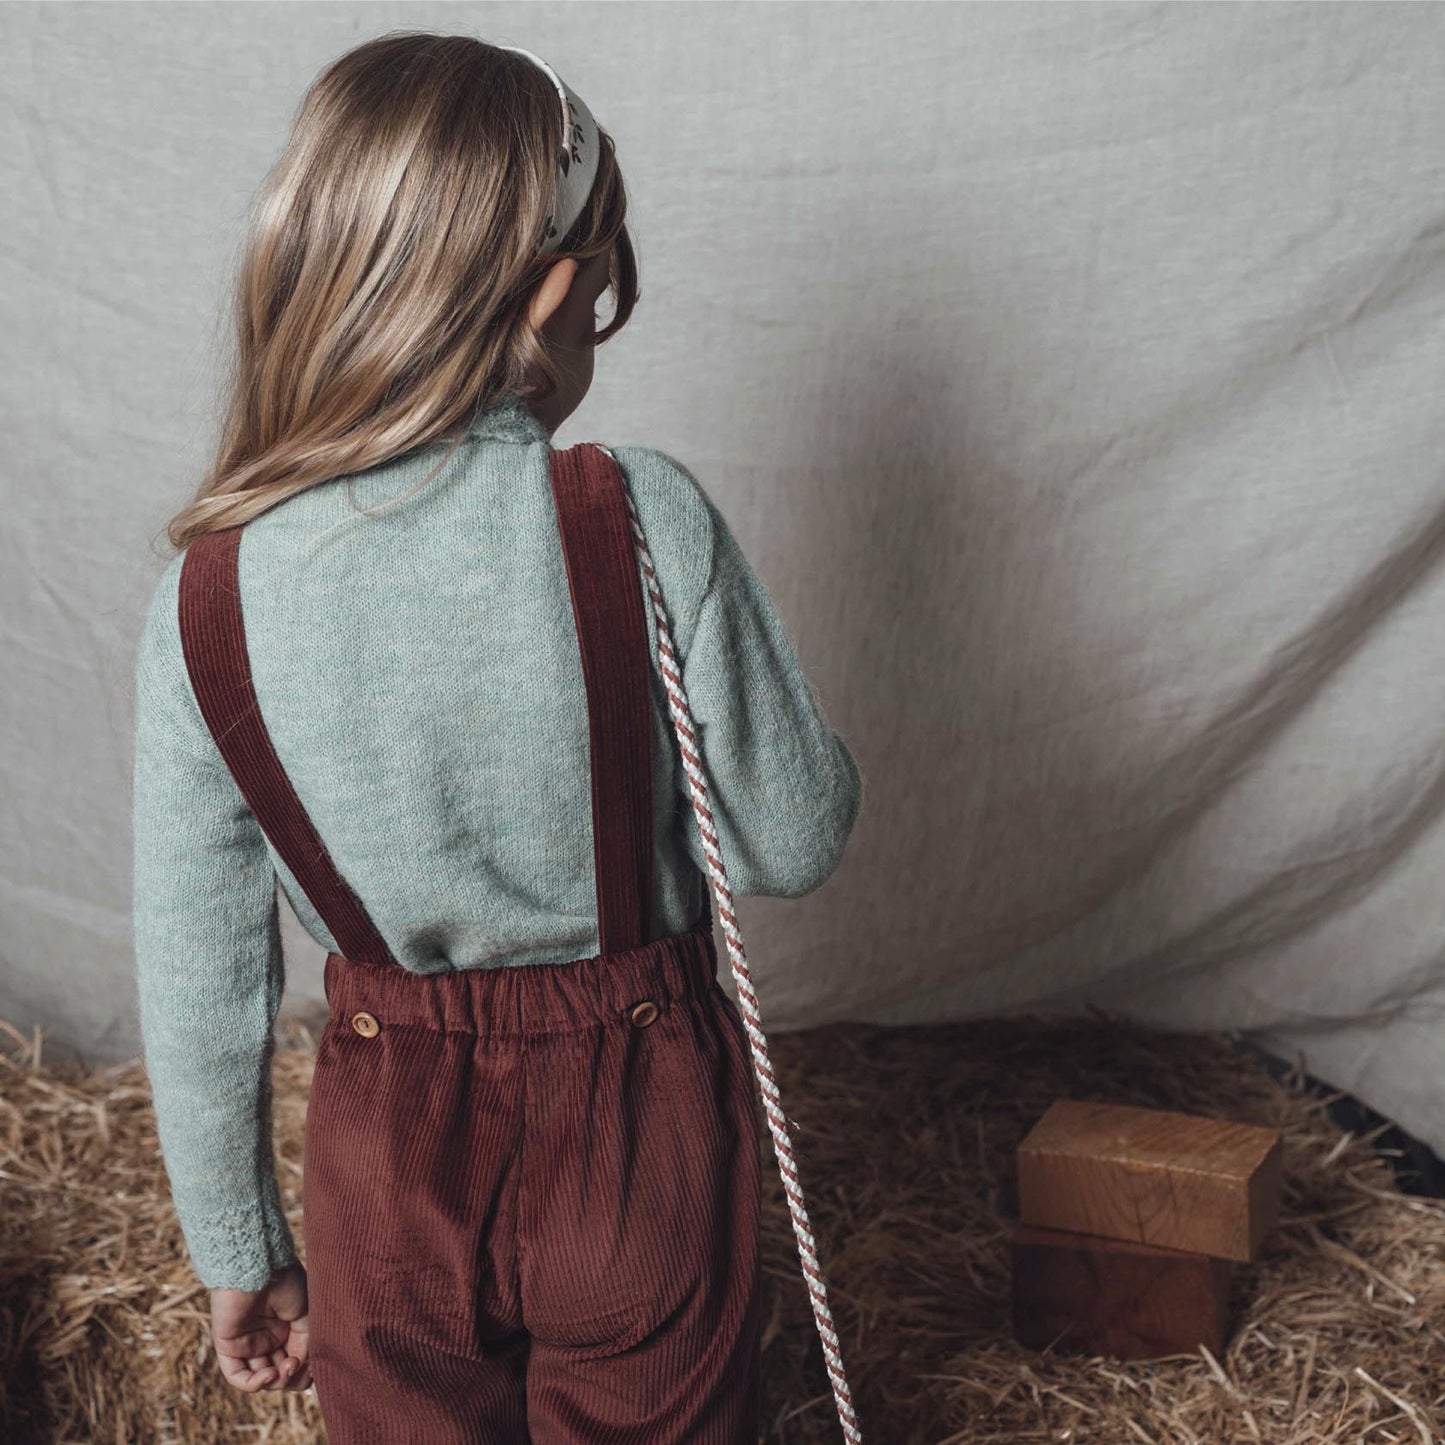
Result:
1174,1180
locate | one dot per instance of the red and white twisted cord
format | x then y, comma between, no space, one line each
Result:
751,1013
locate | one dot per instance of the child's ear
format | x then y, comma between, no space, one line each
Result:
551,291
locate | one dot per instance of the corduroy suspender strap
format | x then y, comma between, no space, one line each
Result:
213,640
605,588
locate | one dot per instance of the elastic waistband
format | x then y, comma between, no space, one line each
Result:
530,998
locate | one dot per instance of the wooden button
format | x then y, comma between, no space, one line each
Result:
644,1013
365,1024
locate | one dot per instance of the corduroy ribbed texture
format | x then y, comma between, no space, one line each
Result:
612,634
213,640
529,1218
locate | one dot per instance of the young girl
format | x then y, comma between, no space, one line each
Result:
402,664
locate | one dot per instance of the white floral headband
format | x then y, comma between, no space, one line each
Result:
576,161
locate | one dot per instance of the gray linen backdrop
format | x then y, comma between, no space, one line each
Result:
1071,373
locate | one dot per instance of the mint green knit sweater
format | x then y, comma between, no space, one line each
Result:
418,668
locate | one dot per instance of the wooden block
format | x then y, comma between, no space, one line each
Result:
1077,1292
1175,1180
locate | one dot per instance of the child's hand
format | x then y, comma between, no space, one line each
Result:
260,1336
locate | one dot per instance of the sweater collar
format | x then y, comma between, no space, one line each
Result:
509,419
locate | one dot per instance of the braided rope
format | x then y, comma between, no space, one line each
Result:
751,1013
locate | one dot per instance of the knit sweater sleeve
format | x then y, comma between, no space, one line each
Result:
208,970
784,789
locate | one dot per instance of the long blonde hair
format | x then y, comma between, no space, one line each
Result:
382,294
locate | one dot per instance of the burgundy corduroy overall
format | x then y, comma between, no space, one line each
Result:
531,1193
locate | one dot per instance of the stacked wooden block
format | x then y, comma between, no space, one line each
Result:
1130,1222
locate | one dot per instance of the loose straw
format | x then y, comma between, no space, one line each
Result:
752,1015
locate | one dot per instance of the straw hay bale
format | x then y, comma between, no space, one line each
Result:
905,1138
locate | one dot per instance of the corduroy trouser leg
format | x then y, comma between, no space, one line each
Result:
531,1202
